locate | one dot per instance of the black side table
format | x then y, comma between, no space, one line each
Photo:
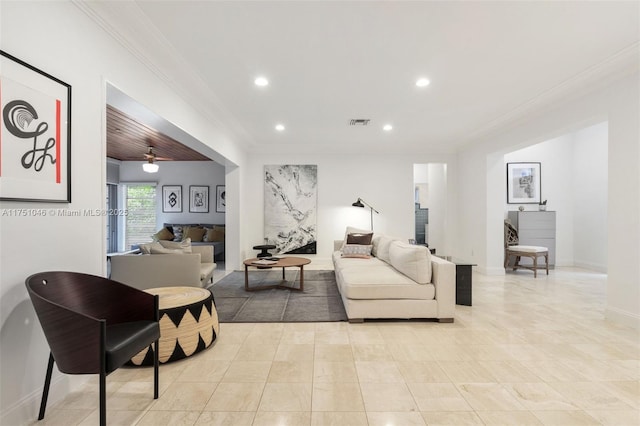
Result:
464,282
265,250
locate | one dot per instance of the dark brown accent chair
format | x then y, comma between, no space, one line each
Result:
93,325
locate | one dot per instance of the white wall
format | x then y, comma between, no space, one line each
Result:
623,220
574,181
481,227
185,173
437,204
385,182
590,194
61,40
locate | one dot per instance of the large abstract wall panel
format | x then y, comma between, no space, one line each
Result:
290,207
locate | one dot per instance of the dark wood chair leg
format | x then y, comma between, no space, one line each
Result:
103,399
103,373
45,391
156,364
156,345
546,261
535,266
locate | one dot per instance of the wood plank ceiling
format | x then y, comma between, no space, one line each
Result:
129,140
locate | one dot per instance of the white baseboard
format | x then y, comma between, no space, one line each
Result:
25,411
596,267
623,317
489,271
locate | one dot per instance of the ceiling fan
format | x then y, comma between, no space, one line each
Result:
151,157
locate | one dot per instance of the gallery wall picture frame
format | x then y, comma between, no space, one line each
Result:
524,182
172,198
221,199
199,199
35,134
291,207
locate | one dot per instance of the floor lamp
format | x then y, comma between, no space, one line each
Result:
362,203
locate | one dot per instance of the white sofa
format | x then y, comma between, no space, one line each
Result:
144,271
401,281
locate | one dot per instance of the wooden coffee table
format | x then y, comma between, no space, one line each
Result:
283,262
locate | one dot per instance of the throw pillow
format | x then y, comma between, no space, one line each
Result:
214,235
163,234
194,232
412,260
352,230
177,231
382,249
375,242
146,248
357,250
185,245
162,250
360,238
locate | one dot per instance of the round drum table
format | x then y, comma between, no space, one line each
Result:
188,324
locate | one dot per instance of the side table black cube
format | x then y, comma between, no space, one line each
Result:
464,283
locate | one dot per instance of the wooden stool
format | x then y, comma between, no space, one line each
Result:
512,248
527,251
188,324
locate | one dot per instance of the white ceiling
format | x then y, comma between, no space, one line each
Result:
331,61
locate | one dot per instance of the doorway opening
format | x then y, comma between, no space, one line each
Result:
430,201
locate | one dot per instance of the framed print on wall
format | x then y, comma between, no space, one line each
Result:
290,207
35,134
523,183
172,198
198,199
221,199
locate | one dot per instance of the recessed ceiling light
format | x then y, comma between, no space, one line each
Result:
422,82
261,81
387,127
280,127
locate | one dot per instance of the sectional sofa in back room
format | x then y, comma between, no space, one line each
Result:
380,276
201,234
180,255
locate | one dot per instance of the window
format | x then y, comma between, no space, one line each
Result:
140,223
112,220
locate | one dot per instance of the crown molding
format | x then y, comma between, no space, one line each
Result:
98,12
617,66
127,24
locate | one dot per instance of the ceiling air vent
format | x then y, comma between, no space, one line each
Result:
359,122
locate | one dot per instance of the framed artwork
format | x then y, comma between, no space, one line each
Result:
35,134
221,199
172,198
198,199
523,183
290,207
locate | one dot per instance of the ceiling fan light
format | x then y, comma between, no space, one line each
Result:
150,167
261,81
423,82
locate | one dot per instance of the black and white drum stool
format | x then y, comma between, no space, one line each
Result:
188,324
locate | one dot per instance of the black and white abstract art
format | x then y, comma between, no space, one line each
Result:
290,207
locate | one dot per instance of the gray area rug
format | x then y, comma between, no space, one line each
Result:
319,302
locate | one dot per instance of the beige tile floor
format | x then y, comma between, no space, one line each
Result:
529,352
